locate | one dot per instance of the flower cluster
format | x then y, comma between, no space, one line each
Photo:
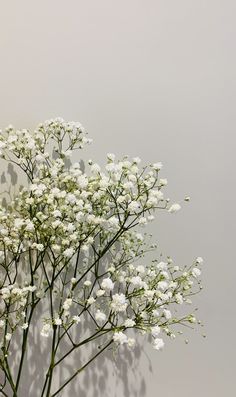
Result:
77,241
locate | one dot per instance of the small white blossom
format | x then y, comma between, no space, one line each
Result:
87,283
163,181
137,282
119,303
67,304
140,269
129,323
162,266
179,299
174,208
91,300
155,331
46,330
199,260
57,321
76,319
133,206
107,284
68,252
73,280
157,166
167,314
8,336
100,292
120,338
196,272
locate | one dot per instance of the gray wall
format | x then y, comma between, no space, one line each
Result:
154,79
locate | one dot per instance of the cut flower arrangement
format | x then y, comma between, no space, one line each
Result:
73,242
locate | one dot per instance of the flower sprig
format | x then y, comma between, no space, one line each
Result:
74,243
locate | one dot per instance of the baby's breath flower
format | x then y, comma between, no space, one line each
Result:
71,242
174,208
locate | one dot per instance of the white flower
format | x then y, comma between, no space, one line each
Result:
70,198
12,138
87,283
57,321
133,206
46,330
91,300
196,272
162,266
140,269
57,214
162,285
158,194
119,303
199,260
155,331
31,288
152,202
174,208
84,247
29,226
107,284
137,281
113,222
18,223
100,292
70,227
67,304
100,316
157,166
25,326
120,338
129,323
82,181
149,294
39,247
56,223
73,280
143,221
8,336
68,252
176,268
163,182
167,314
158,344
39,158
76,319
95,168
179,298
156,313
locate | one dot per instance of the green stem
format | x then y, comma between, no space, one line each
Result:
81,369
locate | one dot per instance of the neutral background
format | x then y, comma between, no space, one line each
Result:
154,79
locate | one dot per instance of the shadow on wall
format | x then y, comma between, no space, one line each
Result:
112,374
